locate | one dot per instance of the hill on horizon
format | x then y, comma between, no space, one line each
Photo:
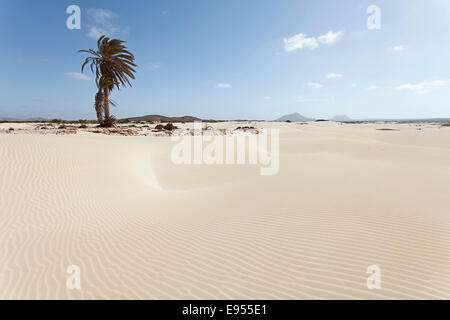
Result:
294,117
341,118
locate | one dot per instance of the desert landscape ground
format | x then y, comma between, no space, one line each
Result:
346,196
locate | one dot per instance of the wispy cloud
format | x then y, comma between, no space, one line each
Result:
422,87
400,47
223,85
354,85
314,85
333,75
78,76
96,32
101,16
267,98
102,22
331,37
301,40
372,87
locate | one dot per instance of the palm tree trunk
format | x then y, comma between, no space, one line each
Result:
106,105
98,106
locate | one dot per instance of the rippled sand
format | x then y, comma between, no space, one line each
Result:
347,196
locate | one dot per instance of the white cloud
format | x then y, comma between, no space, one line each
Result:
103,23
223,85
354,85
331,37
314,85
301,40
267,98
372,87
95,32
333,75
101,16
78,76
422,87
399,48
437,84
411,87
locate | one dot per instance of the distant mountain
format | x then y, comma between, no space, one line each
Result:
341,118
21,120
156,118
294,117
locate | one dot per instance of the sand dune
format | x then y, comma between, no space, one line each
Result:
139,227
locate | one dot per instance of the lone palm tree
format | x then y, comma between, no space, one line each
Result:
113,66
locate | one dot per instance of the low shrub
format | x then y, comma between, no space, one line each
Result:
109,122
170,127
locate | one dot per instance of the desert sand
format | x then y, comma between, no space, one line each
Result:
347,196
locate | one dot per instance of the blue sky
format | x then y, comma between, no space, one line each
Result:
253,59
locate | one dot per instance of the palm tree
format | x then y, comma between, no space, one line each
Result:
113,66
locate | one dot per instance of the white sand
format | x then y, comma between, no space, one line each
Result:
346,197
